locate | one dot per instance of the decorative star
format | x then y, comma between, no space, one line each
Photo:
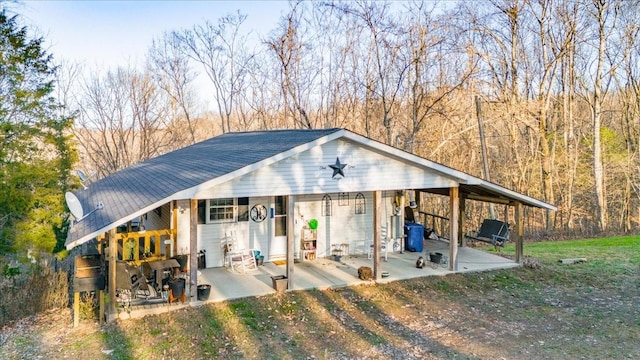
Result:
338,168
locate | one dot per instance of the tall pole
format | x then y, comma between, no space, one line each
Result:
483,148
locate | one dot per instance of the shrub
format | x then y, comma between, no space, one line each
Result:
34,288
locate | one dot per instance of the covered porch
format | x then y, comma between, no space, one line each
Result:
325,273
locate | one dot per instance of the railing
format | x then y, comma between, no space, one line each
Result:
146,245
440,224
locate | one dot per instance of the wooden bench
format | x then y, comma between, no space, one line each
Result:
492,231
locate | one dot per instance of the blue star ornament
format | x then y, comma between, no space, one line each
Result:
338,168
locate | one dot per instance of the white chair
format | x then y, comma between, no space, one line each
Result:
384,244
238,260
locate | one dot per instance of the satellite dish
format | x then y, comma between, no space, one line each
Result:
83,177
74,205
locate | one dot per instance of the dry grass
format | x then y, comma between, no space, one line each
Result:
546,311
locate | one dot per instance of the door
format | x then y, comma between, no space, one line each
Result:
278,246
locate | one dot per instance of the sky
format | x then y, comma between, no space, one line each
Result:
105,34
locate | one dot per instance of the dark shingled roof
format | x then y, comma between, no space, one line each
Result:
129,190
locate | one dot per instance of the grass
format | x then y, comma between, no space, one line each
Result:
556,311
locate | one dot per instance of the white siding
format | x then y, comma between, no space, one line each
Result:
344,226
309,176
248,234
155,222
183,227
309,173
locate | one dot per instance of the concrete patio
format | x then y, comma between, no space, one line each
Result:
324,273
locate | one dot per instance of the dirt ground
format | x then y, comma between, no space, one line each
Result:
509,314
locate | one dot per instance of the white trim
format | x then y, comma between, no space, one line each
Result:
445,171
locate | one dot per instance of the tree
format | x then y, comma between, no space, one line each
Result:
124,119
288,46
388,65
220,49
172,72
35,150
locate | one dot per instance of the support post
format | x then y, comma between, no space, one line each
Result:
454,210
463,220
76,309
101,306
291,235
101,291
113,257
193,249
519,219
377,226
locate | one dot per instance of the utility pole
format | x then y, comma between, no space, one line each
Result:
483,148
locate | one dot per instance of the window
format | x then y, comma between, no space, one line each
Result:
202,211
243,209
280,216
221,210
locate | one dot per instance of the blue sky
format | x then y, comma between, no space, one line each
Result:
105,34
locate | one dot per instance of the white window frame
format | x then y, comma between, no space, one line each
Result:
233,209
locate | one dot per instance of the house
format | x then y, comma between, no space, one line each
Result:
263,188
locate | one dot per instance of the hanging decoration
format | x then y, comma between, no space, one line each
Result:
361,205
326,205
343,199
338,168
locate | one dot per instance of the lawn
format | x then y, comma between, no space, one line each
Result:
551,311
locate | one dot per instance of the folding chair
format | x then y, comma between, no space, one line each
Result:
384,244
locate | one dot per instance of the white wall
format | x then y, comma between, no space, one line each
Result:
309,176
309,173
248,235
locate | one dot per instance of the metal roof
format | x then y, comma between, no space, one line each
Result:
133,191
127,193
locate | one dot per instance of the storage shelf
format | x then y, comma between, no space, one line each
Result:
308,245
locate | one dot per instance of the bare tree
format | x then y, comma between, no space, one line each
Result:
221,50
288,46
385,47
173,74
122,120
605,14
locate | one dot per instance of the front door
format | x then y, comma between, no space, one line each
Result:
278,247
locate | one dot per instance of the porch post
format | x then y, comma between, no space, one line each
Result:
519,232
174,228
377,225
113,257
463,220
454,210
291,236
193,247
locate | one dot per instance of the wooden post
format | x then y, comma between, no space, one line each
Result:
193,249
483,148
174,237
377,226
113,257
291,236
76,309
463,220
101,292
519,233
101,306
454,210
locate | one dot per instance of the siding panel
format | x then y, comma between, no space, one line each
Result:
309,173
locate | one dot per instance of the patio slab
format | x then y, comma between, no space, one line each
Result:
324,273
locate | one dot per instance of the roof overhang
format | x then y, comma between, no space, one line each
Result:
470,186
489,192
